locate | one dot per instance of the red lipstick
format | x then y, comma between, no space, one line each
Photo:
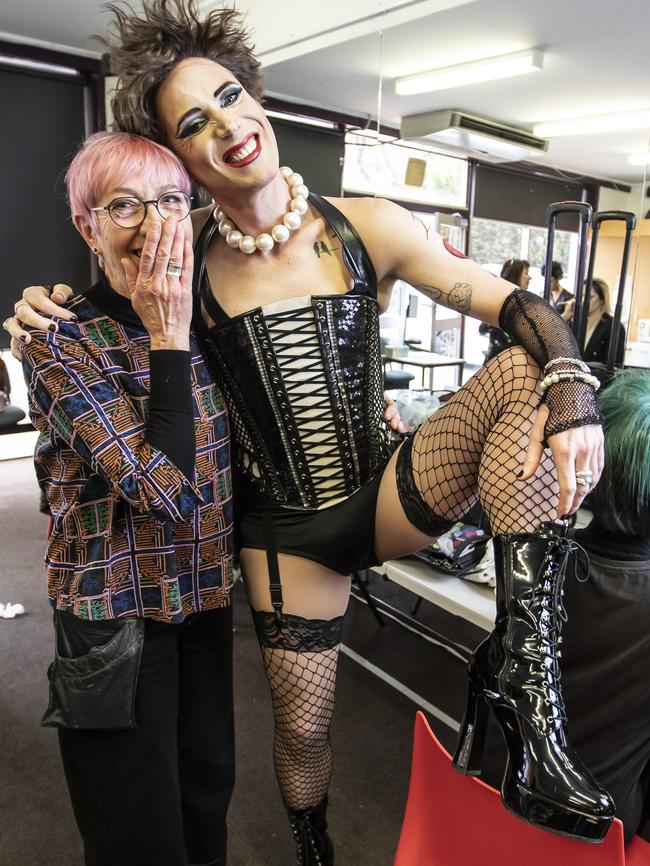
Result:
252,156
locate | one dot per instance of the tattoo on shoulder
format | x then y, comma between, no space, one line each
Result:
459,298
424,226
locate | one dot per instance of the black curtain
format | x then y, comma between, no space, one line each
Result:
522,198
316,154
43,121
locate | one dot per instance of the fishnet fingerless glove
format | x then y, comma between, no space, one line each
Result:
534,324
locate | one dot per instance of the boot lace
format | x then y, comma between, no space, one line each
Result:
309,842
553,569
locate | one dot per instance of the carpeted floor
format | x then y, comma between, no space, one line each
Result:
372,728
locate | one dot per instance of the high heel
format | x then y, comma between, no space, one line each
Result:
471,739
515,673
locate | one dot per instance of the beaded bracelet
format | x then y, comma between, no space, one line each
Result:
575,362
568,376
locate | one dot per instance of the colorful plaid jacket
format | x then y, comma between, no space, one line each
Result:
132,536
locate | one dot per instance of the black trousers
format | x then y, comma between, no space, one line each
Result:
158,794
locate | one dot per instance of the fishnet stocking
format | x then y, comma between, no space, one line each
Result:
302,692
478,440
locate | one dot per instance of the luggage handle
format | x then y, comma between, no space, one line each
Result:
604,216
582,208
630,224
584,211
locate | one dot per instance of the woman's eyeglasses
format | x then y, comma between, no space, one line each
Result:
129,211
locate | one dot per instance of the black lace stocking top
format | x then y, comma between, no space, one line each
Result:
303,382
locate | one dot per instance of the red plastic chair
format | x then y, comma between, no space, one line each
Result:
455,820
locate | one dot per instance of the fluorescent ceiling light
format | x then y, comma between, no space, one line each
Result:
489,69
597,123
361,136
38,66
300,118
639,159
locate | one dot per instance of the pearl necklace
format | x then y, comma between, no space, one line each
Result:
280,232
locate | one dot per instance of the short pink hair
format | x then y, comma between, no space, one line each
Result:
107,159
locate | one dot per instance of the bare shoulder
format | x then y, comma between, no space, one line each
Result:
365,209
379,223
199,218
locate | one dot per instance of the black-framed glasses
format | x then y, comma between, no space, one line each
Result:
129,211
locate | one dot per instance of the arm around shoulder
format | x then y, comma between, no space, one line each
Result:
73,398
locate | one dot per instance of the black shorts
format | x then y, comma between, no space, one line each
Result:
341,537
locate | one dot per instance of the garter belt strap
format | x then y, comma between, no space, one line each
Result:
275,586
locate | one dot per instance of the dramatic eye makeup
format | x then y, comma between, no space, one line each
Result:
230,95
191,125
193,121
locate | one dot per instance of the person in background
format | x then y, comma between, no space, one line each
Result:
514,271
9,415
599,326
560,297
606,640
134,460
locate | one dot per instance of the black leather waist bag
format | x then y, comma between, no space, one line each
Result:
96,689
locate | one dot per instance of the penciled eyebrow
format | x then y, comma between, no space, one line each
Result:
191,111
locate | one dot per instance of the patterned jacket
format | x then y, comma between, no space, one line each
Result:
132,536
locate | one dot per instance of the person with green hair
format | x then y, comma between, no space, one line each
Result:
606,639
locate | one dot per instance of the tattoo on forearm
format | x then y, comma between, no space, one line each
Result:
459,298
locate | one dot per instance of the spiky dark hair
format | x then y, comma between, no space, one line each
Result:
145,47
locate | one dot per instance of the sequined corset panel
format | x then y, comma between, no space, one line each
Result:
303,382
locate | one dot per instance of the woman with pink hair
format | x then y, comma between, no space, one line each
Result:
133,459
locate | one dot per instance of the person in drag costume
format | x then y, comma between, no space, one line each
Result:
293,338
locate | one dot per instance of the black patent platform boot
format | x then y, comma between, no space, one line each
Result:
309,827
515,673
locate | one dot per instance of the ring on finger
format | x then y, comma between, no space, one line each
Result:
584,477
174,270
18,305
5,324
